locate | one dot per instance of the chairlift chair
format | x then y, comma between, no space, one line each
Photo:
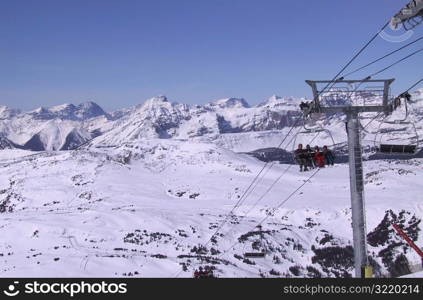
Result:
383,146
312,133
254,254
315,129
261,253
398,149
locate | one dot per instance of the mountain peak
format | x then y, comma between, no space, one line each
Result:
156,101
230,103
61,107
38,110
274,98
88,105
159,98
89,110
41,113
68,111
277,101
7,112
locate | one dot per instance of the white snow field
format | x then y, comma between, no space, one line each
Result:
145,208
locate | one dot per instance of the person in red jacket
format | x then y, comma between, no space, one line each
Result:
319,158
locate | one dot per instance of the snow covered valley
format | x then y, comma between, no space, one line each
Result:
149,208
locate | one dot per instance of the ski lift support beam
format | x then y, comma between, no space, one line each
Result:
362,267
408,240
319,108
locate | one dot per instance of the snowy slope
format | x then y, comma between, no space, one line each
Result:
145,209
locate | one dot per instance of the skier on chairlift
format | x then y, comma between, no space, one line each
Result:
329,157
310,157
319,158
406,96
305,108
304,105
301,158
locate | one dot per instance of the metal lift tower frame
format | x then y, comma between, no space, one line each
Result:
354,153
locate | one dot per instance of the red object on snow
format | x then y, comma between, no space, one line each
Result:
408,240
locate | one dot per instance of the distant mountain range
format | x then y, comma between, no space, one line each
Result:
69,126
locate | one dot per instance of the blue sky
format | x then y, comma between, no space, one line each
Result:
119,53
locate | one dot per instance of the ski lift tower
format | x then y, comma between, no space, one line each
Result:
352,97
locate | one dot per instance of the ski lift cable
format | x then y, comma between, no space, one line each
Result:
335,78
268,190
259,180
274,209
401,148
414,85
406,106
379,114
374,118
242,198
380,58
397,62
333,81
252,185
270,167
274,182
271,186
329,83
288,197
284,201
386,117
233,209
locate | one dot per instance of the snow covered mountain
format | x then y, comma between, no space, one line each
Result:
229,122
7,112
160,118
57,135
60,127
48,128
145,188
80,112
